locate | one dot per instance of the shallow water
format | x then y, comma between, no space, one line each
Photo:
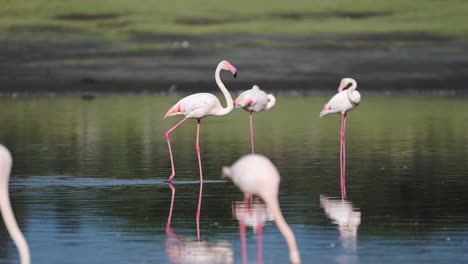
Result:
88,182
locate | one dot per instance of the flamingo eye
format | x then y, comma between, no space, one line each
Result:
329,107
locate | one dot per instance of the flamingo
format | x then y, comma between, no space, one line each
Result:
343,102
5,207
198,106
256,175
254,100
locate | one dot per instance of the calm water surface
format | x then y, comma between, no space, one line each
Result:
88,183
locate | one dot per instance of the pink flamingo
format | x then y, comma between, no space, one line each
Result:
343,102
254,100
198,106
256,175
5,207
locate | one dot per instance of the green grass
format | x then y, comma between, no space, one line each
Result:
125,17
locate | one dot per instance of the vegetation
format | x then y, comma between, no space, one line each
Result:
122,19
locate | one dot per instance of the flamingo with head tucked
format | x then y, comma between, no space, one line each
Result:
5,207
343,102
256,175
198,106
254,100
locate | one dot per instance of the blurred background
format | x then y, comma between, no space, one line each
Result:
300,46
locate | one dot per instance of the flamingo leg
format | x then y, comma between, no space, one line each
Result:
259,234
168,135
252,134
197,147
242,233
198,210
343,156
169,218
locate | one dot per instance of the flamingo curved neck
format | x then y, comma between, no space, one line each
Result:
10,222
350,92
273,204
227,95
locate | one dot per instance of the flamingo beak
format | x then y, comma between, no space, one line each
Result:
233,70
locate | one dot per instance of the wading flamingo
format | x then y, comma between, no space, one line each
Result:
254,100
198,106
5,207
256,175
343,102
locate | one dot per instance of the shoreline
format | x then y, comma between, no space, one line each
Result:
381,63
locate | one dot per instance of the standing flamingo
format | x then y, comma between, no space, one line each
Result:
198,106
343,102
256,175
5,207
254,100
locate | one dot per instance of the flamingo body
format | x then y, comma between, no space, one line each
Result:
256,175
196,106
255,100
340,103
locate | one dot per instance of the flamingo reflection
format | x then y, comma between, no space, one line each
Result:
185,250
254,215
346,216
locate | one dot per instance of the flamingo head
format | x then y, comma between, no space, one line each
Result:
225,65
345,82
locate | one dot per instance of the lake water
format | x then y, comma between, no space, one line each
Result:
88,182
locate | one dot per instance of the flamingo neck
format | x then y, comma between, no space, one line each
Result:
9,219
350,91
273,204
230,104
271,101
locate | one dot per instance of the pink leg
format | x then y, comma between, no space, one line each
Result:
342,156
169,218
197,147
198,210
252,134
168,135
259,234
242,233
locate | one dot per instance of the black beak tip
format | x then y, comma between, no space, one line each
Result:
235,75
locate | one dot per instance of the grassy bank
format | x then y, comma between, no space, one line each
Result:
122,19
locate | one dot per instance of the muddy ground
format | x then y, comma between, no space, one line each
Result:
147,63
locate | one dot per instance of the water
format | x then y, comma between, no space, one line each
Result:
88,182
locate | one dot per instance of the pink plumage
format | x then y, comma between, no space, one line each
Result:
198,106
254,100
256,175
343,102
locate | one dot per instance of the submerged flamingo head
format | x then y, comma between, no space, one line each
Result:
227,66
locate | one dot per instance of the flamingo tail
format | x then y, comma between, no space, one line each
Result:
174,110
